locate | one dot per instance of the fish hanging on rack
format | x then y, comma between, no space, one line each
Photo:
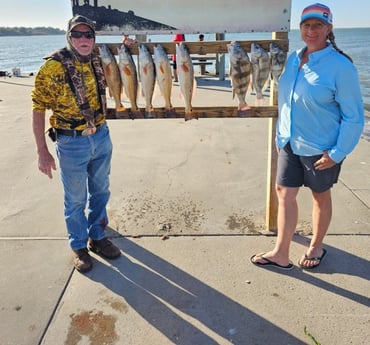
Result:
164,76
277,62
147,79
240,69
260,61
112,75
185,70
129,78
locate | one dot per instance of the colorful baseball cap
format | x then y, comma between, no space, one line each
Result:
317,11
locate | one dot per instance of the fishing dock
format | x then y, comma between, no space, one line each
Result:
187,210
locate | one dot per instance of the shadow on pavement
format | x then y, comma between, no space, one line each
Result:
336,261
153,287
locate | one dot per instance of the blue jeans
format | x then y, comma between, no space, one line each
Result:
85,163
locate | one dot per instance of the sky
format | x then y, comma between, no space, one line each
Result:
56,13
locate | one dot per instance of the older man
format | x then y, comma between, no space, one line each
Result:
71,84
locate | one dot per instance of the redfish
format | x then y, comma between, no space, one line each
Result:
163,76
185,70
147,78
129,78
112,75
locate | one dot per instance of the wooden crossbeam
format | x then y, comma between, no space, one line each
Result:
200,112
209,47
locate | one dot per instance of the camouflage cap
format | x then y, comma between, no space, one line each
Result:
77,20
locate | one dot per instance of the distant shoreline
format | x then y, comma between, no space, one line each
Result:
23,31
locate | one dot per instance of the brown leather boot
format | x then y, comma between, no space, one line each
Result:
104,247
82,260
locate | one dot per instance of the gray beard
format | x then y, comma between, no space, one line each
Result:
75,53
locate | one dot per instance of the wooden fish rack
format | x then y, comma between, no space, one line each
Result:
201,48
271,111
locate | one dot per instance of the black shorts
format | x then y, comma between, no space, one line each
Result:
297,171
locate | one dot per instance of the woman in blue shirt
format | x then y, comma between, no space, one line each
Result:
321,119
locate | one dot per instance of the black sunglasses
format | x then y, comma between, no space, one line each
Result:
79,34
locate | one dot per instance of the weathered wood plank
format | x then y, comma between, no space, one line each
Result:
209,47
200,112
272,156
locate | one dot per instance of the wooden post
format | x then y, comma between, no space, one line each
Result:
271,198
220,59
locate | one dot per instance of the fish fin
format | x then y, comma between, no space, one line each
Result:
108,70
185,68
127,71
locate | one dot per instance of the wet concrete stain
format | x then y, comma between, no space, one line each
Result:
146,213
98,327
117,304
241,223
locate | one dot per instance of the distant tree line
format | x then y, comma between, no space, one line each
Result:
22,31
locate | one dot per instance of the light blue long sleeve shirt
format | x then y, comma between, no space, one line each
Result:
320,105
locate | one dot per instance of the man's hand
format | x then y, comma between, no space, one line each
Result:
46,163
325,162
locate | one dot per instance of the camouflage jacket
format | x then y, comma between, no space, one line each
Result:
53,90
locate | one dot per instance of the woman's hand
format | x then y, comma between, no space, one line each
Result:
325,162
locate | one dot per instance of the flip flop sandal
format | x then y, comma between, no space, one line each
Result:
270,263
307,258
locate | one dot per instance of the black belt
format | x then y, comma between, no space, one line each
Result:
74,132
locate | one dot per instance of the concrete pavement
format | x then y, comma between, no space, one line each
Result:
202,183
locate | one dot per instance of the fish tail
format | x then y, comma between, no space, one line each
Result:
190,114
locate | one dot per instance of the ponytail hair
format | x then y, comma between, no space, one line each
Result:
331,38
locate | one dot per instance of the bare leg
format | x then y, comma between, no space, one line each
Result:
321,217
287,222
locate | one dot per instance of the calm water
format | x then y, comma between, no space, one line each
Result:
26,52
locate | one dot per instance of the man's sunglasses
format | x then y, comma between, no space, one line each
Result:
79,34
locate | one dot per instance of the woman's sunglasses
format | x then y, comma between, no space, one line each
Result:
79,34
